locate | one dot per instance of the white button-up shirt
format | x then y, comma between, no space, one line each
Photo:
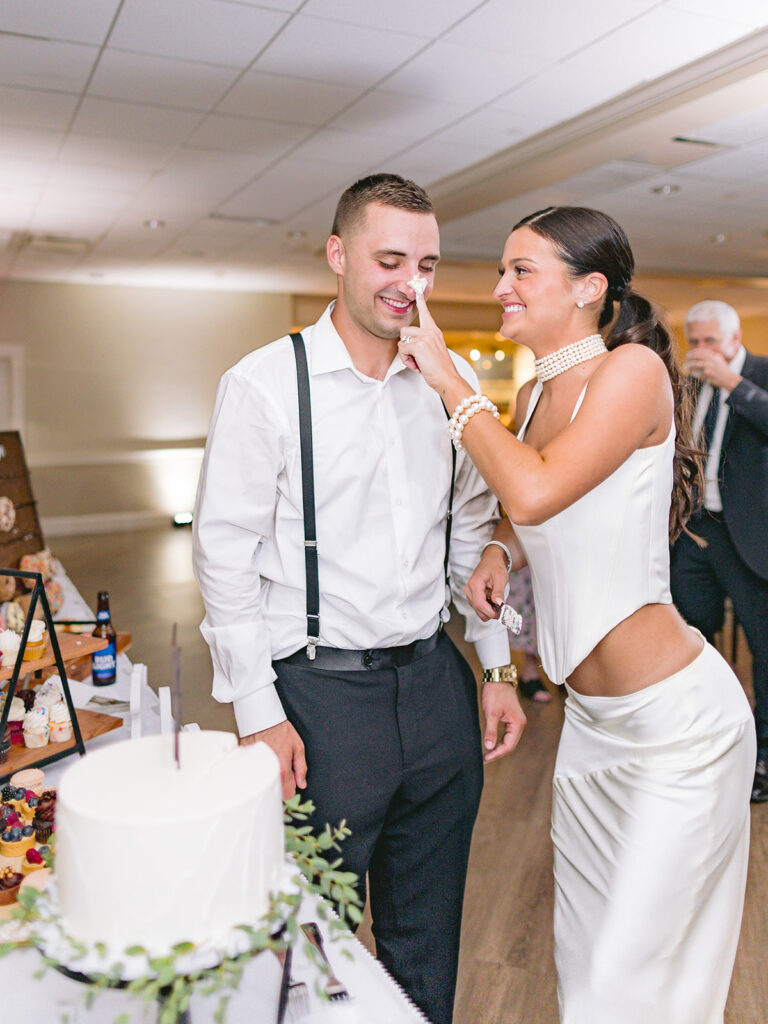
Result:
382,463
712,499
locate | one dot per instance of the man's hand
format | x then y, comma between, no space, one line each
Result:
485,590
501,706
287,744
712,366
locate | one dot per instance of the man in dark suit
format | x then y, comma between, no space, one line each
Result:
731,425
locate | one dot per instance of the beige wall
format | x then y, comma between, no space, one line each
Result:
115,377
120,382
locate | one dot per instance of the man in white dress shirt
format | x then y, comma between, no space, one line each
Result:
379,722
731,425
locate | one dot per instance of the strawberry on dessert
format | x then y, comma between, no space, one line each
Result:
33,861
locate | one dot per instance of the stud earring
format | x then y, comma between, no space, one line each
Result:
580,304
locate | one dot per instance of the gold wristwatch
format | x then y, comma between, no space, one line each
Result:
501,674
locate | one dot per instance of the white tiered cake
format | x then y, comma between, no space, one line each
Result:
150,855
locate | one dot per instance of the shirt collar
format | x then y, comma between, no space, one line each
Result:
328,353
737,363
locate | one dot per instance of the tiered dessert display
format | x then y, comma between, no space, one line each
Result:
34,654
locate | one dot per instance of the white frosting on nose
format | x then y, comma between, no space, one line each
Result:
418,284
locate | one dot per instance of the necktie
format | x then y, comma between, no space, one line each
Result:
710,420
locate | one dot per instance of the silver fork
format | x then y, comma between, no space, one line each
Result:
334,989
297,1003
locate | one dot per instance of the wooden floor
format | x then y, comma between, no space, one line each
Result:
507,974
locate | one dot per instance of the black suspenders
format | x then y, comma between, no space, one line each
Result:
308,499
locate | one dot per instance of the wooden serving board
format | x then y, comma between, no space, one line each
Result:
72,647
92,724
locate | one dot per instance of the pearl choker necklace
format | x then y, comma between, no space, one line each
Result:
564,358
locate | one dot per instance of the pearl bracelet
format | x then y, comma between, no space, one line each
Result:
464,412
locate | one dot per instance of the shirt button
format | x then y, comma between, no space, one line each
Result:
406,564
404,615
399,503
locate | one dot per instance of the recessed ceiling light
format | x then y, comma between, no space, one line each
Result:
153,224
474,355
499,355
296,235
718,239
665,190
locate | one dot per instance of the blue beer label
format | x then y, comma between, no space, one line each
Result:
103,664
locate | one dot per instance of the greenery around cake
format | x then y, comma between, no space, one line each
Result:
320,874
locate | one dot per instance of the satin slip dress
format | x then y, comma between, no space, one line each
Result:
650,818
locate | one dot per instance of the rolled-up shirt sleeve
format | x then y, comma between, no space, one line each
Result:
234,514
475,517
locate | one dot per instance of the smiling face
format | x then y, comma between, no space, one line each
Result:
375,262
539,297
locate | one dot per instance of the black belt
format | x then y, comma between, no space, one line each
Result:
336,659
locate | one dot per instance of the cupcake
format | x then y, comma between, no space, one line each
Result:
36,641
16,722
36,729
29,778
47,700
45,816
5,745
60,723
10,881
9,646
15,617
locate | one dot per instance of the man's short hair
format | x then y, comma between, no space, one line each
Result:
712,309
387,189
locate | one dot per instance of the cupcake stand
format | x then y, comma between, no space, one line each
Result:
60,650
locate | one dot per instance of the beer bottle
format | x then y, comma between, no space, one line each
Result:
104,662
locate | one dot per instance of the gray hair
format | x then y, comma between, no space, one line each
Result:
712,309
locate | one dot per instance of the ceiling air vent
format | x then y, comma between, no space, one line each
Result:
56,245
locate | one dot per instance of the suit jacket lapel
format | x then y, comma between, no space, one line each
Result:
746,370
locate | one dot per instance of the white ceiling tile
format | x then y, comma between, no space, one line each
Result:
654,44
17,204
111,118
424,19
485,131
405,120
277,5
267,139
549,29
332,52
108,152
41,64
752,13
203,30
287,188
77,176
15,173
738,130
352,150
429,161
204,173
733,165
463,74
159,80
29,143
81,21
35,109
557,95
286,98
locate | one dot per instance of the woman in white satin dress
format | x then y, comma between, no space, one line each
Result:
650,818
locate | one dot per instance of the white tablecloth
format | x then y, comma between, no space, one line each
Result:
375,998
